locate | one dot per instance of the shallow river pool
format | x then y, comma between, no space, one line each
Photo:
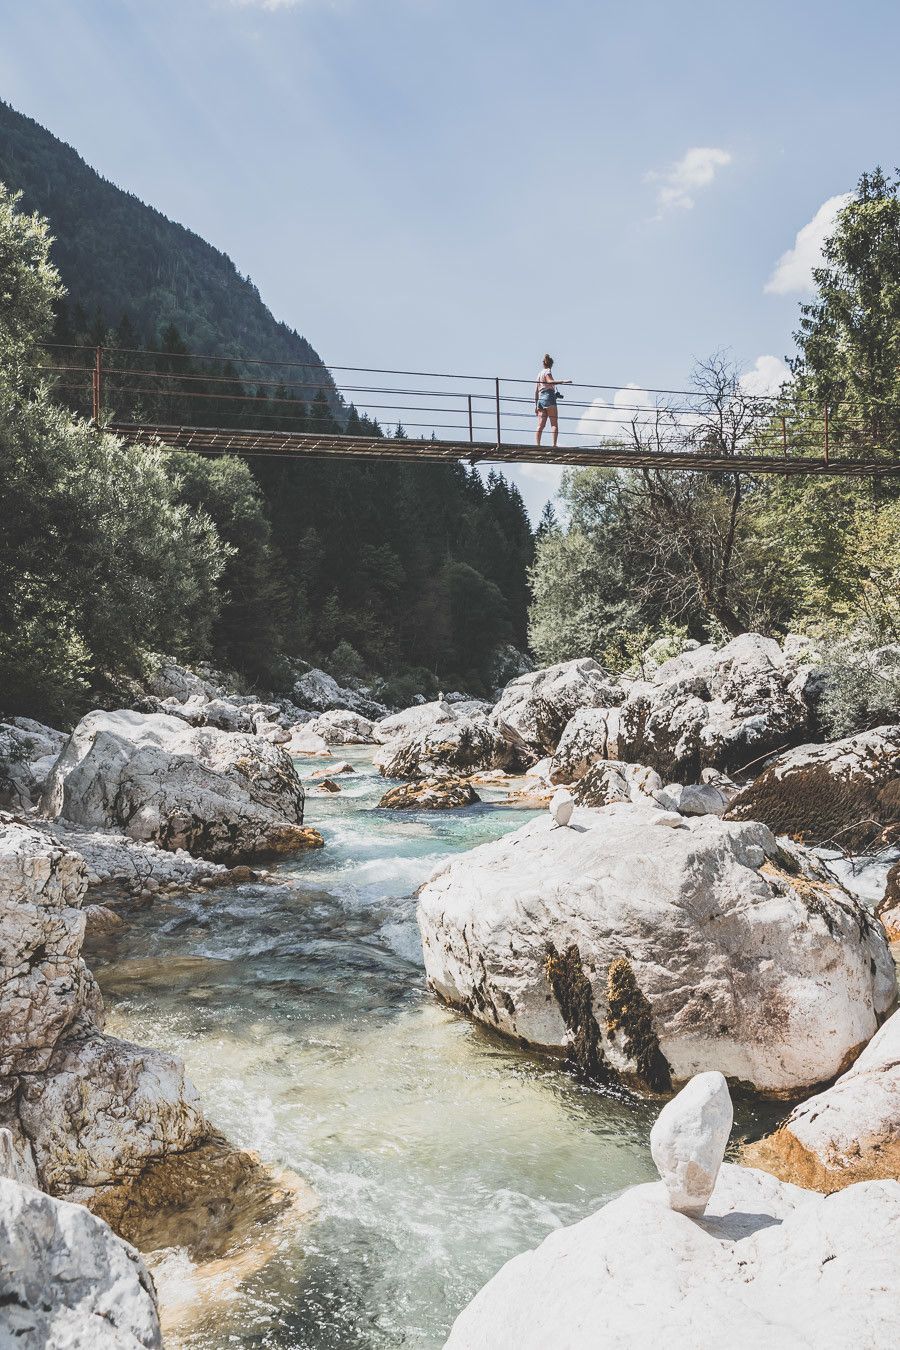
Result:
437,1151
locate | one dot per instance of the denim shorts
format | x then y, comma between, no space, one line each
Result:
547,398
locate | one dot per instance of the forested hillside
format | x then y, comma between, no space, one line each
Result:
118,256
412,575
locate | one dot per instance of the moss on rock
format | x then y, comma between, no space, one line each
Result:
630,1016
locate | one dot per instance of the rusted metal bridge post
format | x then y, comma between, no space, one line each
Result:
826,433
97,383
497,396
471,426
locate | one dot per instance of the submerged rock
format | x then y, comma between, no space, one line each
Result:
850,1132
846,792
66,1281
431,794
769,1265
230,798
651,947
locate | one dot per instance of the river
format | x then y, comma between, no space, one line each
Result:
437,1150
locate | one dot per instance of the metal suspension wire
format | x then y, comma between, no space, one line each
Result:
149,399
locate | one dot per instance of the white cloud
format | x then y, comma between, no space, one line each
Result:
696,169
793,271
765,376
604,421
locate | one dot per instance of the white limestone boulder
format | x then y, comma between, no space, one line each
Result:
688,1141
44,985
318,692
117,865
534,709
848,1133
115,1126
695,799
610,782
463,746
229,798
199,711
589,737
720,708
105,1110
342,727
170,680
28,751
66,1281
650,947
769,1265
414,721
846,792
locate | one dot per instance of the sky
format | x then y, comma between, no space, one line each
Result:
461,185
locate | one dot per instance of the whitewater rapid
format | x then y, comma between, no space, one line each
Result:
437,1150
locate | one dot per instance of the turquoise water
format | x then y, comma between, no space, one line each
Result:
437,1150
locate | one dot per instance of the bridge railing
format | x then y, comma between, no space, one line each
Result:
139,386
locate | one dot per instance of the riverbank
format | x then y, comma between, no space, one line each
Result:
437,1150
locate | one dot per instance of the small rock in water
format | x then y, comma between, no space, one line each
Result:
562,804
688,1141
328,785
331,770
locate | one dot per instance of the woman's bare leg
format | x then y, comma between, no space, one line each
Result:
542,422
553,415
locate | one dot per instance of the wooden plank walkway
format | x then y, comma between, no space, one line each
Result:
307,445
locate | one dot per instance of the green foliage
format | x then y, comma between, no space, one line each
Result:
310,555
249,632
849,337
97,556
345,663
861,686
30,284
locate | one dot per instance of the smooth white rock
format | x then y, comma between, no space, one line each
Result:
769,1266
230,798
562,804
770,977
689,1138
413,721
534,709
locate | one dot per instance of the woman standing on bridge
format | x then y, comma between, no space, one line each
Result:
545,399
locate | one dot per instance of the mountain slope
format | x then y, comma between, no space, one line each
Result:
118,255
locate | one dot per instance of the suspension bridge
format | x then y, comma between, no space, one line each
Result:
295,410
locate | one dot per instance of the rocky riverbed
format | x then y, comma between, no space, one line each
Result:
312,1151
